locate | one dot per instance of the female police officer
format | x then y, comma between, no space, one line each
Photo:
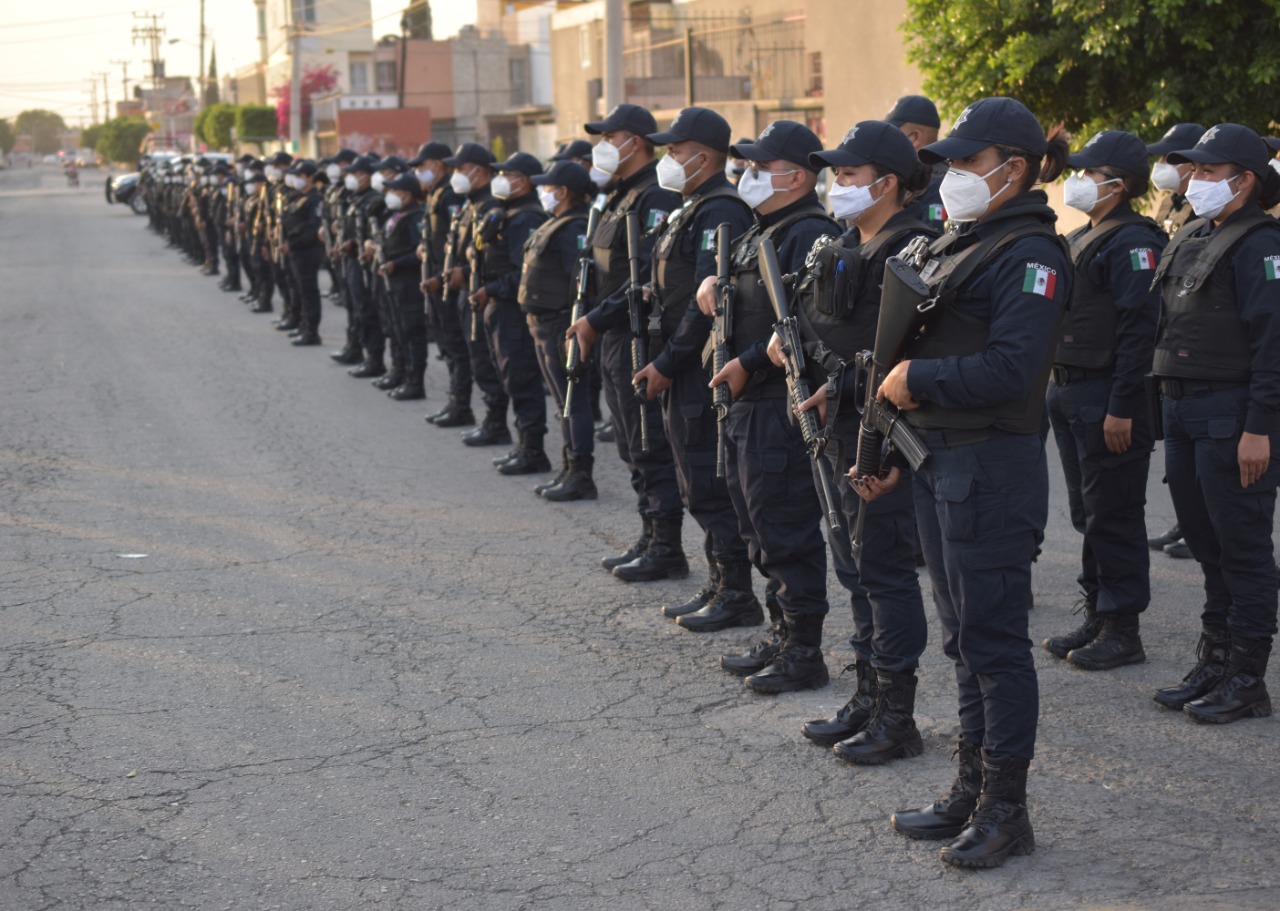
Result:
973,386
875,170
1218,360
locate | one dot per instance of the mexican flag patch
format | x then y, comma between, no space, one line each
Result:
708,240
1142,259
1040,280
582,241
936,212
656,217
1271,265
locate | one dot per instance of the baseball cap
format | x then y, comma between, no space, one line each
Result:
782,140
871,142
630,117
988,122
701,125
914,109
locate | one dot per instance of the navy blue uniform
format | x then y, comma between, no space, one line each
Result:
401,235
1107,491
483,369
442,207
928,207
356,231
302,220
983,497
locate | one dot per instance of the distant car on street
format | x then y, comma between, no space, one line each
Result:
124,190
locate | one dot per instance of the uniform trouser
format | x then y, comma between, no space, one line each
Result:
1107,495
266,275
368,327
770,480
517,362
653,474
578,432
690,421
454,344
388,317
210,239
483,369
339,269
249,262
409,307
981,510
231,256
1227,527
283,278
889,628
305,265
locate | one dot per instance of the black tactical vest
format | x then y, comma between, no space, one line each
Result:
609,245
492,239
676,276
1088,334
1201,336
544,285
954,333
436,233
1172,220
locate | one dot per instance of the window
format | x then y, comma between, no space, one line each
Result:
304,11
584,45
359,78
385,75
516,76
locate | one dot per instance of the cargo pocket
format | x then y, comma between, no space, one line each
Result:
695,428
1224,434
955,507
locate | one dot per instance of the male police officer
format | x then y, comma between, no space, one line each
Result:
917,117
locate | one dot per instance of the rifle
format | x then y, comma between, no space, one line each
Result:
639,333
573,367
473,285
904,299
721,354
788,330
276,237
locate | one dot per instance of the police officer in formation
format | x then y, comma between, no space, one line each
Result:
995,359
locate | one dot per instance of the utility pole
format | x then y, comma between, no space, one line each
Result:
93,95
295,81
106,97
613,83
124,77
200,93
151,34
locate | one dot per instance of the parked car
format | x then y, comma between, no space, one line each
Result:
124,190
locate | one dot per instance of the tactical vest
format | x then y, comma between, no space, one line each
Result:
544,285
471,219
1172,220
297,220
492,240
675,275
953,333
1088,335
439,215
753,315
842,307
609,245
1201,336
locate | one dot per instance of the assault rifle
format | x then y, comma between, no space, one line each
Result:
721,354
639,329
573,366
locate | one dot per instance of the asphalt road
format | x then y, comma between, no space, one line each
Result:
269,641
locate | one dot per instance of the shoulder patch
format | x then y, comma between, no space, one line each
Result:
1271,267
582,241
708,240
656,218
1040,279
1142,259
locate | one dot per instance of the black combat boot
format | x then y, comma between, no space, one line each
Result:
890,732
763,650
286,324
262,305
635,550
530,457
1160,542
701,598
510,454
1211,661
1081,635
393,377
457,413
350,353
852,716
371,366
947,816
799,664
662,559
1241,692
542,488
577,484
411,390
1000,825
735,603
493,430
1116,645
307,337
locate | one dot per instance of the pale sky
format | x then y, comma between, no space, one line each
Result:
48,54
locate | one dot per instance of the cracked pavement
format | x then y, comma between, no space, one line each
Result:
356,667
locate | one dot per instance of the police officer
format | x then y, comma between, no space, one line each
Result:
279,195
357,180
1097,401
577,151
552,258
225,212
623,163
336,197
1218,360
876,176
244,212
377,214
767,466
973,385
917,117
472,174
303,249
503,235
1273,143
685,254
398,273
256,231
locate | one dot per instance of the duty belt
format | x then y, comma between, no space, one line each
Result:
1181,389
947,439
1064,375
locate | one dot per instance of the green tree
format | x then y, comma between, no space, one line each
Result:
121,139
7,136
255,123
46,129
1138,65
91,136
214,124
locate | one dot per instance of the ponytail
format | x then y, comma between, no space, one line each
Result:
1042,168
1268,193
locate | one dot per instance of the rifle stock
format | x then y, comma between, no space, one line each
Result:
639,333
573,352
721,355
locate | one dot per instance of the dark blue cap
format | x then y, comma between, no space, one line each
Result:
303,167
985,123
245,158
363,164
280,159
914,109
523,162
470,153
568,174
1113,149
629,117
407,181
344,156
255,177
782,140
430,151
1273,142
701,125
579,148
221,168
393,163
1178,137
1228,143
871,142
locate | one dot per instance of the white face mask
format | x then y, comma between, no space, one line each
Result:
1209,197
461,183
851,201
672,176
608,157
1081,192
272,172
333,172
500,187
600,178
757,186
547,197
427,177
379,183
966,196
394,201
351,183
1165,176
